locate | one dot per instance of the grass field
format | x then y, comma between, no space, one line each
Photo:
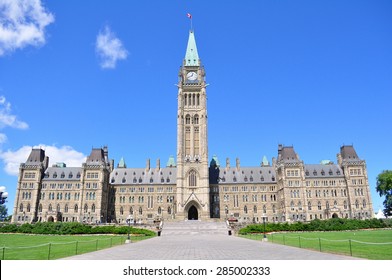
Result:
44,247
368,244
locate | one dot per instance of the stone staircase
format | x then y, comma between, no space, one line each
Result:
194,227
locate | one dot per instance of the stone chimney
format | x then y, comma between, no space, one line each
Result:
237,163
227,163
158,167
148,165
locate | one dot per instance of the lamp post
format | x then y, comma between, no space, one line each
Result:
264,235
129,229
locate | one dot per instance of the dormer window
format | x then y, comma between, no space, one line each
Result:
315,172
322,172
262,178
330,172
307,172
70,175
78,175
134,180
140,179
234,179
62,175
338,172
251,178
162,179
167,180
273,178
55,175
47,175
123,180
151,180
246,179
112,180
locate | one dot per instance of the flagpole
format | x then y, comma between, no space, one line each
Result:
190,17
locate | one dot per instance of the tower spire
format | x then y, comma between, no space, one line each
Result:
191,55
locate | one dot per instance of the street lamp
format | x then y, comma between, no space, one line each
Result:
129,229
264,235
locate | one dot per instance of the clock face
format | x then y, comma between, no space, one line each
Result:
191,76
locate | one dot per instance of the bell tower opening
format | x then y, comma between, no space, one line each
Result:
193,214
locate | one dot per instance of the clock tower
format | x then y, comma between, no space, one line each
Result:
192,152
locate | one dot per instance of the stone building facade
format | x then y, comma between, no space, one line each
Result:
192,187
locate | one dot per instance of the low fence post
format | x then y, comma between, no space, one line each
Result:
320,243
351,250
50,245
3,254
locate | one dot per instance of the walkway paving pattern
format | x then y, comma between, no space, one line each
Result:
197,240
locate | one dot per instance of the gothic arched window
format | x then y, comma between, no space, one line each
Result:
192,179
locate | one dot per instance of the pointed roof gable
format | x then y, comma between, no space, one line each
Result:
191,55
171,162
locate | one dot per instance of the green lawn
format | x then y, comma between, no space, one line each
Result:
44,247
368,244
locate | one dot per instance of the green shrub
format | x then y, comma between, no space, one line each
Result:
317,225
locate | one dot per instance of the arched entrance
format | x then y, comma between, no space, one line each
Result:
335,216
193,214
51,219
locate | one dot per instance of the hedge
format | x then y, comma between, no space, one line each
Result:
317,225
71,228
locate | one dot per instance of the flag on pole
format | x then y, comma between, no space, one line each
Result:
189,15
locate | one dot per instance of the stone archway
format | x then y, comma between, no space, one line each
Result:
193,213
335,216
51,219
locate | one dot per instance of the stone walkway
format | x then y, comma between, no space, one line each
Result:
196,240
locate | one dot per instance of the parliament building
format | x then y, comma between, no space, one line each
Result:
192,186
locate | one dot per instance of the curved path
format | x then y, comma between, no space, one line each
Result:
195,240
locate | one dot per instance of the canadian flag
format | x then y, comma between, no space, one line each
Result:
189,15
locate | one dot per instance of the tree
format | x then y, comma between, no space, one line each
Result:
3,212
384,188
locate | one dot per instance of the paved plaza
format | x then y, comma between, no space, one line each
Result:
196,240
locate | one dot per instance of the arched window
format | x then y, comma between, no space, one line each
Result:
76,208
192,179
264,209
188,119
85,208
309,205
93,208
356,204
196,119
131,211
50,208
40,208
121,210
255,209
185,97
345,204
140,211
159,211
245,209
168,210
58,208
319,205
363,203
66,208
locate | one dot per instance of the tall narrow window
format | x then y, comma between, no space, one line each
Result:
185,96
187,141
196,142
192,179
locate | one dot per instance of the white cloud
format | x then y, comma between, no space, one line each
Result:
66,154
109,48
22,23
3,138
6,118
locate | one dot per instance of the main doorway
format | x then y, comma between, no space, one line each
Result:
193,213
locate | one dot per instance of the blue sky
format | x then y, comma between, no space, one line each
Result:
313,74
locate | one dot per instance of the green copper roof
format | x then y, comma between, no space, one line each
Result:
191,56
215,161
171,162
121,164
265,161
